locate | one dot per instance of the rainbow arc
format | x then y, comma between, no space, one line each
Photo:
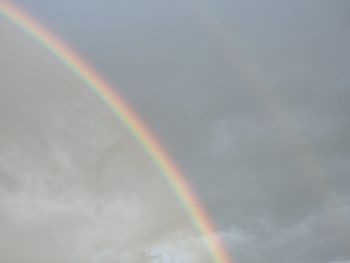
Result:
123,111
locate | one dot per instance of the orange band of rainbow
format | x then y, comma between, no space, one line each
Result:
120,108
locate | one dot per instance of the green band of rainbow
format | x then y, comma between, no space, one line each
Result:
120,108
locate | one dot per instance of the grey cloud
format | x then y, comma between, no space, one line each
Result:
265,146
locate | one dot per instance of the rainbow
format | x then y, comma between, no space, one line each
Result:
123,111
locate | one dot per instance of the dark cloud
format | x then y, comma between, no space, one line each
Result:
251,98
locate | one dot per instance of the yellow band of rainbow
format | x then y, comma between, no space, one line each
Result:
120,108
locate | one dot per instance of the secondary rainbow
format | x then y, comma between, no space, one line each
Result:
122,110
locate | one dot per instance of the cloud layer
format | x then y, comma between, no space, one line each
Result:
251,97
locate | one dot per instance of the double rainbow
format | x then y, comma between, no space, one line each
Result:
123,111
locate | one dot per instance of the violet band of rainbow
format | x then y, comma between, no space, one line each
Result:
122,110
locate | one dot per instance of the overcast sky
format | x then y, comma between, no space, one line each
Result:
251,98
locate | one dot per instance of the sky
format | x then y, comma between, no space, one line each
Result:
250,98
